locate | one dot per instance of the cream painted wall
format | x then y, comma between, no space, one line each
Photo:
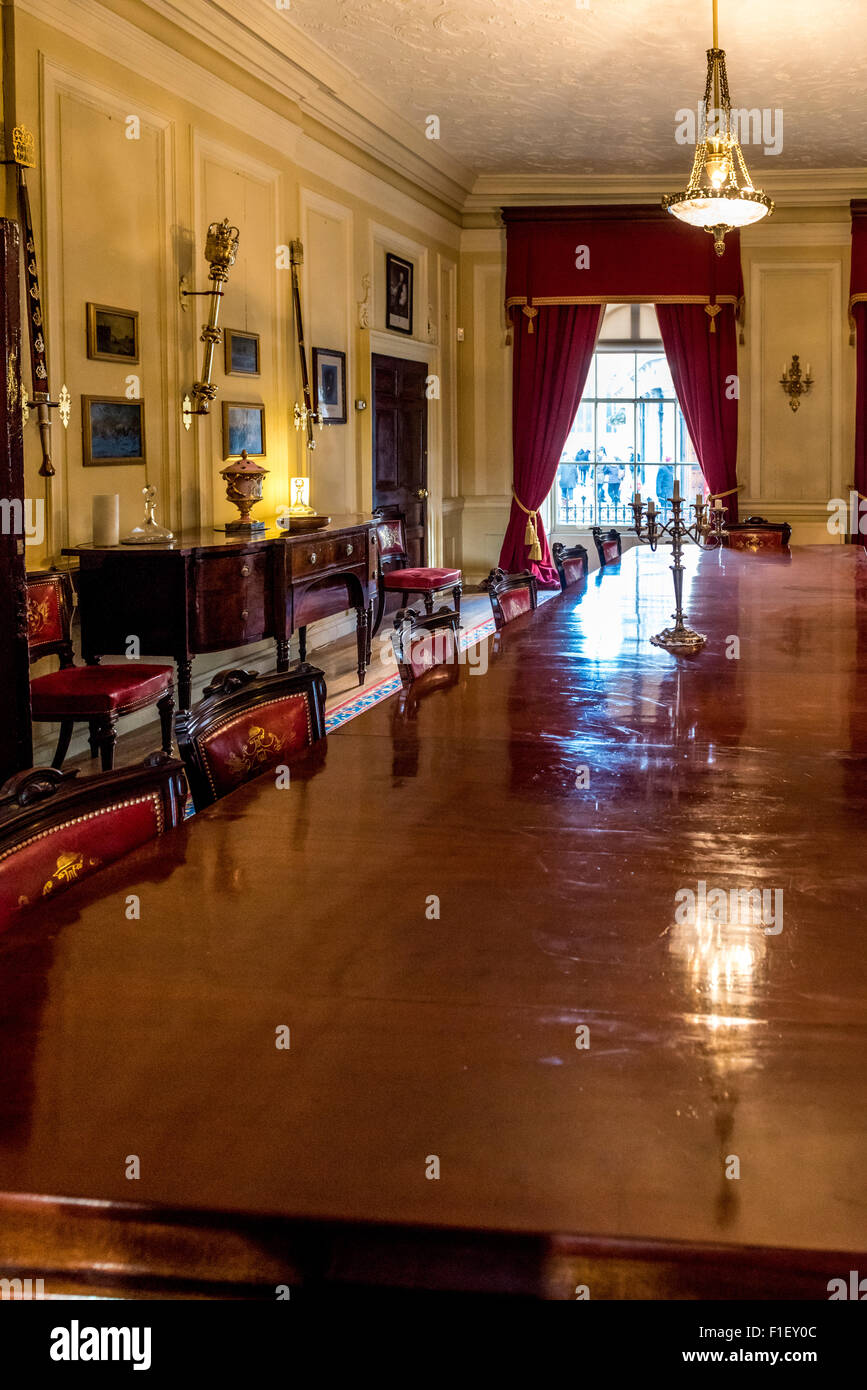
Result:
121,219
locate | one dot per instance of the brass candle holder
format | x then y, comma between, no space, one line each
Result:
707,532
794,383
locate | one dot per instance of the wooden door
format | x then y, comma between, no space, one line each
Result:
16,744
400,446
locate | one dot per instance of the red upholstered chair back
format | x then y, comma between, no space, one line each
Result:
571,563
423,643
49,615
391,539
608,546
755,534
511,595
57,829
246,726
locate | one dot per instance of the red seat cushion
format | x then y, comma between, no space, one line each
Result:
422,581
84,691
431,649
254,741
58,857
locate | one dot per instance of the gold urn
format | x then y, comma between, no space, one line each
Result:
244,480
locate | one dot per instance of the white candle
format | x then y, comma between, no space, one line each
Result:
637,499
106,519
699,500
651,504
675,496
808,369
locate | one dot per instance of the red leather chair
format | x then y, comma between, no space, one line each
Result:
99,695
245,727
571,563
57,829
609,547
420,643
511,595
395,577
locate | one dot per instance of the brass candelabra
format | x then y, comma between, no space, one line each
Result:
706,531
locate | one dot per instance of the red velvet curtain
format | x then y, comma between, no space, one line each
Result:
704,370
858,314
549,370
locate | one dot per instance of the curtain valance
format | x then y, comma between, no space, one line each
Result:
619,255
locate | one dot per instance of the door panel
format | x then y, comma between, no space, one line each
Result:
400,446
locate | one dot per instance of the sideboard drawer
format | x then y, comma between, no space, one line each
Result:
312,557
230,600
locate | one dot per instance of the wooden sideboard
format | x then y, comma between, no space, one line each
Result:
207,592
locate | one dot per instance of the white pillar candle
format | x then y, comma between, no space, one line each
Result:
106,519
675,496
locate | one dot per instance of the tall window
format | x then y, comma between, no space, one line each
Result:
629,433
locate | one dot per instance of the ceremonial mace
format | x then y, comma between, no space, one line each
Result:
23,157
707,532
305,416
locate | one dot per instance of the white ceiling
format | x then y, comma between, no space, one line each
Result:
544,86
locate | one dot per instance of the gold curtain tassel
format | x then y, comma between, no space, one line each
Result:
712,310
531,314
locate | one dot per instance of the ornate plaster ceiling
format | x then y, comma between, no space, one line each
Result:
548,86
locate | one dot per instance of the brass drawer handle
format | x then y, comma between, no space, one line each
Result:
312,557
245,572
245,615
349,549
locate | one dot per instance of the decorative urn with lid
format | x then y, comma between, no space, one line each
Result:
244,480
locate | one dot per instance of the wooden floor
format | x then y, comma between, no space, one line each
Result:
439,902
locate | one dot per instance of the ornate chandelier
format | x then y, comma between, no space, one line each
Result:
720,194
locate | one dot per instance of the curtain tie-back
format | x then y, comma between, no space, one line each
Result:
531,314
531,537
720,495
712,310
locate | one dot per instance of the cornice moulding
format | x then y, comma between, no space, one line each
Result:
789,188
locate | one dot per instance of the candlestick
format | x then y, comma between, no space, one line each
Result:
707,534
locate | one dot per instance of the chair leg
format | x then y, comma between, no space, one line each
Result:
93,739
428,603
107,735
66,727
302,643
166,707
456,595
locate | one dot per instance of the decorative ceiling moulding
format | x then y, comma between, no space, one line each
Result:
325,88
791,188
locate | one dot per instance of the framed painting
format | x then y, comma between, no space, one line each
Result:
329,375
112,430
242,352
112,334
398,288
243,429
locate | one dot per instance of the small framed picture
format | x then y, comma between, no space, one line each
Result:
112,334
242,353
329,374
112,430
243,428
398,277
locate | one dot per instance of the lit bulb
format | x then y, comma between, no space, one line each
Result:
716,163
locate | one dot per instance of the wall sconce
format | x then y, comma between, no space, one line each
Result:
221,248
795,385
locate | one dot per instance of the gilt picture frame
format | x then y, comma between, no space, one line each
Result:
241,352
243,429
112,334
113,431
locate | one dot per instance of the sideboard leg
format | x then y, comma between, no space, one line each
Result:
185,682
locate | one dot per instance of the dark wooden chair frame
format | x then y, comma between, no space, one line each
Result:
409,624
103,730
235,691
499,582
40,798
401,562
599,538
561,553
761,523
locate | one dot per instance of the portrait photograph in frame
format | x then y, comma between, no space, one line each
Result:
329,376
242,352
243,429
398,293
112,431
112,334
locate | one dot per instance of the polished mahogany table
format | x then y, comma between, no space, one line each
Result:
421,1030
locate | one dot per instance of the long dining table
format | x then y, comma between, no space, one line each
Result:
443,1015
